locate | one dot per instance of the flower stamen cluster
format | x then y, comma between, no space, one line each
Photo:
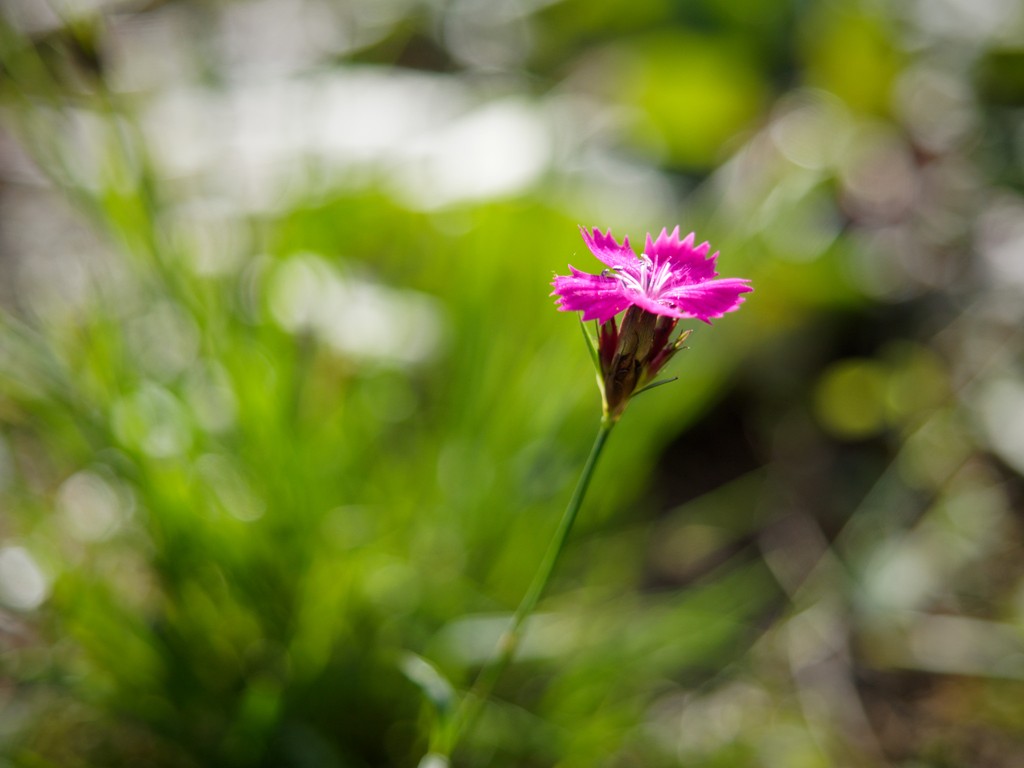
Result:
651,277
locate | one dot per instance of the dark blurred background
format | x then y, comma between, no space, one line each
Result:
287,416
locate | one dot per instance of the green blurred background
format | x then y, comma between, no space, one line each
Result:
287,416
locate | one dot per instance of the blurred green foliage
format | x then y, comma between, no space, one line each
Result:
287,416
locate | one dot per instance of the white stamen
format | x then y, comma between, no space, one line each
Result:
651,279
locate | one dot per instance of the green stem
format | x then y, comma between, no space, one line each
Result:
473,702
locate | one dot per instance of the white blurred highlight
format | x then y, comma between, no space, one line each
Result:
90,507
1001,239
1001,406
356,317
420,134
23,586
496,150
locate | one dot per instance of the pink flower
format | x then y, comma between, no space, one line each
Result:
672,277
671,280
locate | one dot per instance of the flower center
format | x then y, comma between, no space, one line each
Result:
649,279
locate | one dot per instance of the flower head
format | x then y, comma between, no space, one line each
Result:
672,279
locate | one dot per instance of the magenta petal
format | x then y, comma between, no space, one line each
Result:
605,248
709,299
688,261
598,297
605,309
657,306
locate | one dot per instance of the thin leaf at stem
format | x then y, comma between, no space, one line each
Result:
591,346
655,385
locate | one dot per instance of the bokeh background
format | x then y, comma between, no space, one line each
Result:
287,416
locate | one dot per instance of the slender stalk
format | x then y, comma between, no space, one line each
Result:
473,702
